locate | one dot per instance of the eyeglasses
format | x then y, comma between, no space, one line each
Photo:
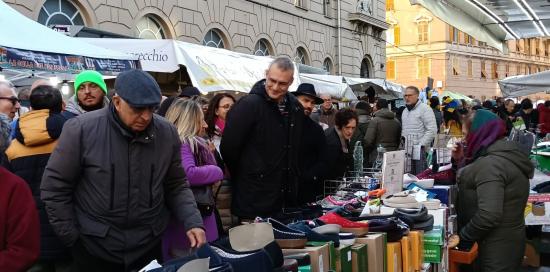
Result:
14,100
226,106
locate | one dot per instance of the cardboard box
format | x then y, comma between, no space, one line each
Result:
343,259
433,245
359,258
406,254
376,248
417,245
332,252
319,256
394,260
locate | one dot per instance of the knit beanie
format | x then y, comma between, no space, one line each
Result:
89,76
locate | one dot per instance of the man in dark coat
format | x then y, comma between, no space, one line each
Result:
113,179
384,130
312,165
36,136
364,111
260,145
338,153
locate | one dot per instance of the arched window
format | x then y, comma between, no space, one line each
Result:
262,48
60,12
327,65
149,27
366,68
301,56
213,39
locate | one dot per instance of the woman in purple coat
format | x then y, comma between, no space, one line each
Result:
202,172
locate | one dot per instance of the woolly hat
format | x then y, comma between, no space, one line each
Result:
89,76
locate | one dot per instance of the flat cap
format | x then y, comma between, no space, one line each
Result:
138,88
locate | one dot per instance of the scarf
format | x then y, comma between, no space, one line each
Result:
486,129
202,154
220,125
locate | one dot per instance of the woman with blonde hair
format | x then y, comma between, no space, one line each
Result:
201,170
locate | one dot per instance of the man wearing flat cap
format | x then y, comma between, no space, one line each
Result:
311,163
114,180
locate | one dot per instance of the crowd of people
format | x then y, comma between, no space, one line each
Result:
110,183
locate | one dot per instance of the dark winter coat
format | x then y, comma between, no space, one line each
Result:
360,132
531,120
383,130
260,147
35,138
311,161
438,118
493,192
339,162
112,189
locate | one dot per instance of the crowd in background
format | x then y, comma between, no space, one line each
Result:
93,182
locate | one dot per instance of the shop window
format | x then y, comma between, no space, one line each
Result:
390,69
60,12
149,27
213,39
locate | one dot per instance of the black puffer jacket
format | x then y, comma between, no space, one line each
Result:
113,189
36,136
260,148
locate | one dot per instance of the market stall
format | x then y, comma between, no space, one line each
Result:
525,85
28,49
209,69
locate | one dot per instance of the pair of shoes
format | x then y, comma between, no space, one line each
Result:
401,200
266,259
195,262
314,234
358,229
392,226
285,236
416,219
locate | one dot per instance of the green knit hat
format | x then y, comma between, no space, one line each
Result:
89,76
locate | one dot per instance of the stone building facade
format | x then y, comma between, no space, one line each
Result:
306,30
420,45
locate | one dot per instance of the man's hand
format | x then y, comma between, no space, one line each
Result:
197,237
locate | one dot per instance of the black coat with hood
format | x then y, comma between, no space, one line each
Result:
493,192
383,130
260,148
35,139
112,190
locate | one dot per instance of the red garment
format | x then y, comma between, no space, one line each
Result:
19,224
544,119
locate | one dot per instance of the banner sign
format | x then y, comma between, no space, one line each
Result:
11,58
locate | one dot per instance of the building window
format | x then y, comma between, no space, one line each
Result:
483,71
518,47
397,35
507,74
366,67
213,39
537,47
547,48
150,28
467,39
456,66
470,68
262,48
327,66
390,69
301,56
453,34
60,12
326,7
518,70
494,70
389,5
527,47
300,3
423,68
423,31
482,44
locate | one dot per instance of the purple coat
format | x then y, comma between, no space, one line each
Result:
175,242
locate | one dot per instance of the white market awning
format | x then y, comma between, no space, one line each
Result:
525,85
210,69
28,45
329,84
494,21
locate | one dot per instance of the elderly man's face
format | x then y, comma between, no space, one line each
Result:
411,97
137,119
277,82
9,104
327,104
